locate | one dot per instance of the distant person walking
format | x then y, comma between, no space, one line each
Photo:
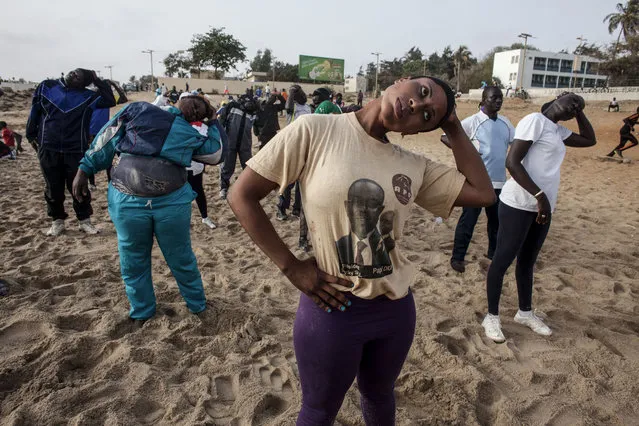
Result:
360,98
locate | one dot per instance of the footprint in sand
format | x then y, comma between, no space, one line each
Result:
225,390
445,326
488,396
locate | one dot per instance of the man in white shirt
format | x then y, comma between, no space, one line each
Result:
491,134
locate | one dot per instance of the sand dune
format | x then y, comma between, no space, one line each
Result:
68,355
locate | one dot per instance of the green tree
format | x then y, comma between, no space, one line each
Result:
132,79
286,72
262,61
591,50
178,63
463,60
216,49
626,19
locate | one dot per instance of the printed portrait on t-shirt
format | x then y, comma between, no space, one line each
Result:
364,252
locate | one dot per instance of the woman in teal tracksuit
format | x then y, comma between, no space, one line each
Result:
149,193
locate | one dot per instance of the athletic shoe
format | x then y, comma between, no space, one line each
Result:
57,228
618,152
295,213
223,193
492,327
92,187
534,322
281,215
458,265
87,227
208,222
612,154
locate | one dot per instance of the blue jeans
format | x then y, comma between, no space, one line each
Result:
168,218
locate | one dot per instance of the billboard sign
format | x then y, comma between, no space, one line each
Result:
321,69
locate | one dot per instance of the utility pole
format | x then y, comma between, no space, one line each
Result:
150,52
376,70
523,66
110,67
582,41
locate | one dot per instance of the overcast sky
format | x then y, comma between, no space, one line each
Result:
41,38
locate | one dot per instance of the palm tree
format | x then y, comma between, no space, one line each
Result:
626,19
462,60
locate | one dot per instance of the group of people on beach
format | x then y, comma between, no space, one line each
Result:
354,191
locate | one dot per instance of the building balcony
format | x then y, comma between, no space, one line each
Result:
553,68
537,67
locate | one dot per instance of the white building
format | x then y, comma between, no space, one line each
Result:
546,70
355,84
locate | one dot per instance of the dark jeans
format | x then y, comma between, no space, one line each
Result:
285,198
521,237
370,341
466,226
59,170
196,182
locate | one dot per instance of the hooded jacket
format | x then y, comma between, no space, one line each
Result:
146,130
60,116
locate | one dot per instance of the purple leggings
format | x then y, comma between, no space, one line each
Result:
369,341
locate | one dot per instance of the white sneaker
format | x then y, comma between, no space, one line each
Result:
223,193
92,188
492,327
533,321
208,222
87,227
57,228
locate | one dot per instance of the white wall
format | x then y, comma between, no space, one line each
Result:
355,84
18,86
237,87
621,93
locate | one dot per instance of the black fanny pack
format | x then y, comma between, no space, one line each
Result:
147,176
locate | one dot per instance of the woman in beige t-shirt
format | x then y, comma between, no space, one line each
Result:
356,315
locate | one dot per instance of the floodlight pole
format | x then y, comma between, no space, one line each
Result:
150,52
110,67
523,66
376,71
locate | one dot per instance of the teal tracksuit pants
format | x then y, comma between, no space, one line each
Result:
168,218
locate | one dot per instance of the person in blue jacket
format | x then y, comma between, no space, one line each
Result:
100,117
58,128
149,194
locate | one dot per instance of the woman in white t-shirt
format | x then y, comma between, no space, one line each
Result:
356,315
527,201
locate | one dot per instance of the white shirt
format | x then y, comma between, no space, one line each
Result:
542,162
164,89
491,138
161,101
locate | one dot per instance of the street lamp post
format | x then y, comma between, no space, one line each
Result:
110,67
523,66
376,70
150,52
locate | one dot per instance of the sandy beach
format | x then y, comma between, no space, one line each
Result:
69,355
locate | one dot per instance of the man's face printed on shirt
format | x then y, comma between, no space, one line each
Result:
364,206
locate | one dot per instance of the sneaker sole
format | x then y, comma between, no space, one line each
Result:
536,332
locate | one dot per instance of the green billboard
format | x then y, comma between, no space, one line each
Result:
321,69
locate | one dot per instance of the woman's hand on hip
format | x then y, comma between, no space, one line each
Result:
316,284
543,208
